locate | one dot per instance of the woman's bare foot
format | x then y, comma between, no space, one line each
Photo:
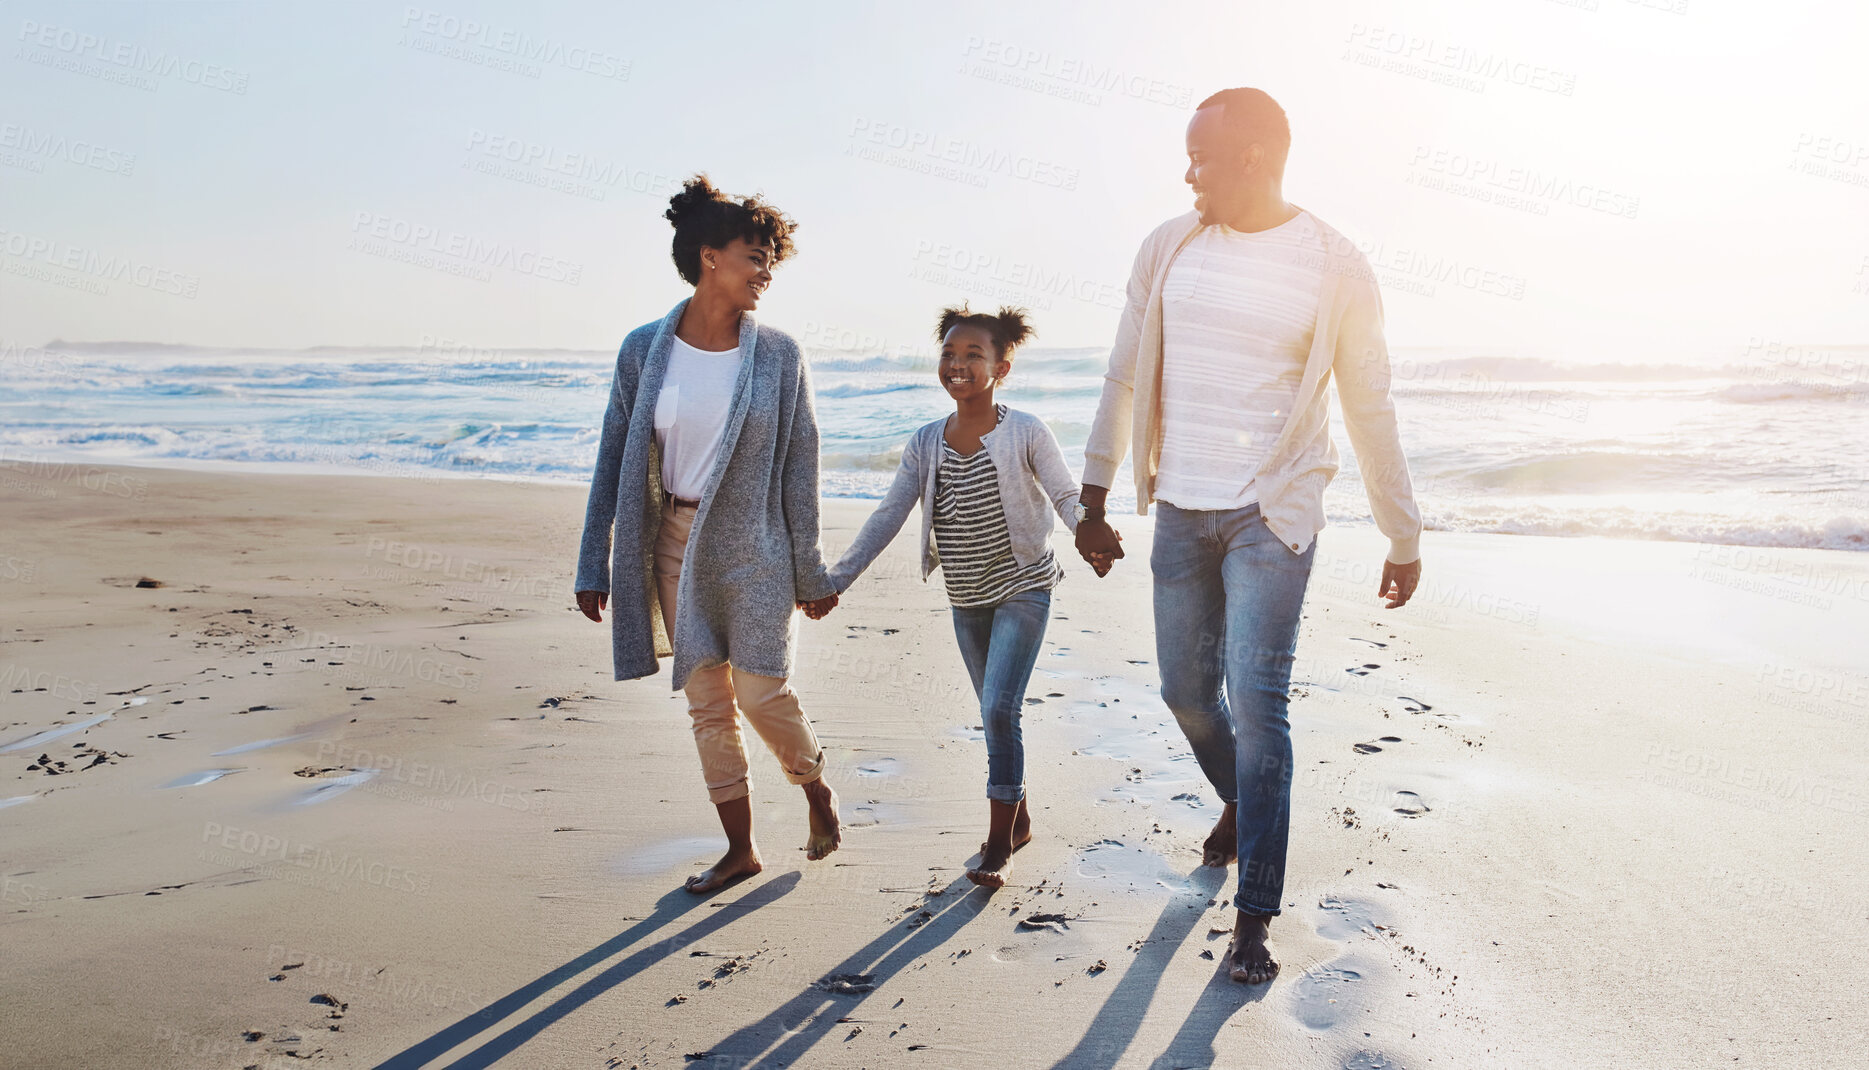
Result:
742,858
1222,844
994,869
1009,830
827,832
1021,830
737,864
1249,961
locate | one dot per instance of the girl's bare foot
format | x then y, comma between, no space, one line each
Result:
1222,844
827,832
737,864
1249,961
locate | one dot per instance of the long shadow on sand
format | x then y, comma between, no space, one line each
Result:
1193,1043
1112,1031
805,1019
667,909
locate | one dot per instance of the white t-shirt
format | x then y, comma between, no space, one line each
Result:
1238,313
691,413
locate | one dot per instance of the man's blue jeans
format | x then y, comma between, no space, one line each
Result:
1000,645
1228,596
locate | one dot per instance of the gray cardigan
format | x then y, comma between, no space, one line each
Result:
1029,466
753,551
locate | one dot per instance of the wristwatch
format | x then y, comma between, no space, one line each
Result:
1086,513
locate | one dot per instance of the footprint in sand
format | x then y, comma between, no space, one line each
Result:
1371,642
335,786
1342,919
50,734
846,984
1415,705
1366,748
1370,1060
1362,670
195,780
1323,995
260,744
1408,804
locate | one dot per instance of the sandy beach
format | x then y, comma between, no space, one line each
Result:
327,770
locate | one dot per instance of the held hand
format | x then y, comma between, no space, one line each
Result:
1399,582
1102,563
816,608
1099,544
591,604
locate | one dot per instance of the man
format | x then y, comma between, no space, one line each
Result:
1238,316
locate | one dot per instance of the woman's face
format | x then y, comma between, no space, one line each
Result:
968,362
739,272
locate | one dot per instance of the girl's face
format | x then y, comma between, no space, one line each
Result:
740,272
969,364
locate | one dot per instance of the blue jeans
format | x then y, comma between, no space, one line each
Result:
1000,645
1227,600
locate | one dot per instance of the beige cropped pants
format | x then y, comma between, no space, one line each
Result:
717,695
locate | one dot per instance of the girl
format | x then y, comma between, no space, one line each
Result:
702,528
987,478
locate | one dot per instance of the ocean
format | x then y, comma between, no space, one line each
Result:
1764,451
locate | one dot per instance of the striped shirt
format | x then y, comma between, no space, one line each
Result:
1238,313
970,533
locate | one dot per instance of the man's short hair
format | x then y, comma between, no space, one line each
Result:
1257,118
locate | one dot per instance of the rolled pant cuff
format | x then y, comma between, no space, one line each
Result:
726,793
1240,904
1006,793
809,775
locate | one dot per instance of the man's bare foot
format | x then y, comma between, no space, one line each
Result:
1222,844
1249,961
736,865
827,832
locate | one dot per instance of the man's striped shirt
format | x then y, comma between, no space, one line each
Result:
1238,313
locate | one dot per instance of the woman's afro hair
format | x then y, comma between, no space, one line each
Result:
1007,329
704,216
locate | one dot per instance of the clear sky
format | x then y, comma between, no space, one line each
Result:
1589,179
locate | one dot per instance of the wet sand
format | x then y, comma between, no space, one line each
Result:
306,770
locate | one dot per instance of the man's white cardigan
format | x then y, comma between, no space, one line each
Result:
1347,344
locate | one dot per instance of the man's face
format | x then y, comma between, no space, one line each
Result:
1219,166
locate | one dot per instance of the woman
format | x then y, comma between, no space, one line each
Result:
702,528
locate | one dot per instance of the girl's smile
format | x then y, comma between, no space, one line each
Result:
970,367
